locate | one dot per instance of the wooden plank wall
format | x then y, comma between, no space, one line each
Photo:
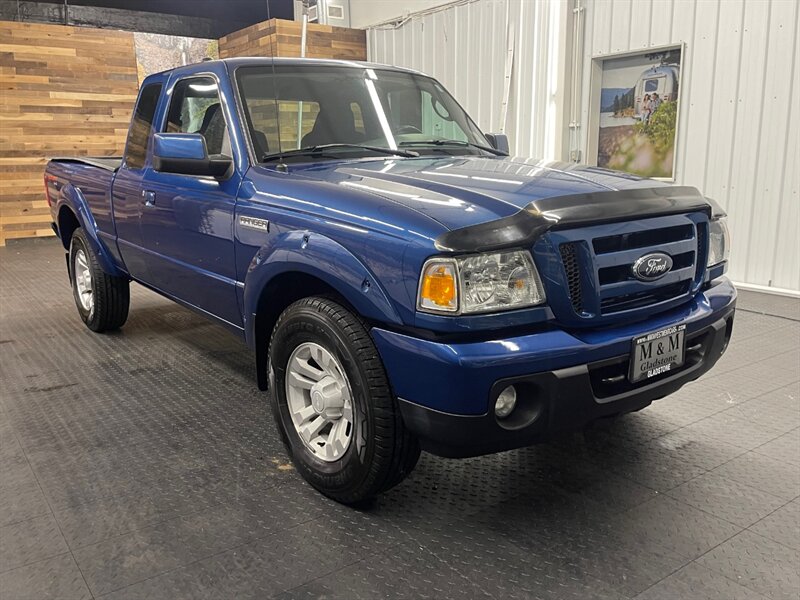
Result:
282,38
70,91
65,91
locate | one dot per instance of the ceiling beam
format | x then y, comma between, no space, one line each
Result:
116,18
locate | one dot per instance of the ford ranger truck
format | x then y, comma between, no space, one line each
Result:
403,283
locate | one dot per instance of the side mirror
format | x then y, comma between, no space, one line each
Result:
499,141
186,154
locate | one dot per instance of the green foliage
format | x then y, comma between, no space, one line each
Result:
643,149
661,127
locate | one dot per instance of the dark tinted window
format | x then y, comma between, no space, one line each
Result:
142,127
651,85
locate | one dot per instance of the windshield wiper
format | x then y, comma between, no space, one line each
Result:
442,142
320,150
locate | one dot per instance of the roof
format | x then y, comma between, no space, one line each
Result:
255,60
233,63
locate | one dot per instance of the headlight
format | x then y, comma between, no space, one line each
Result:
719,242
480,283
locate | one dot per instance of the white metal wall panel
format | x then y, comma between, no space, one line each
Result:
739,129
464,47
738,138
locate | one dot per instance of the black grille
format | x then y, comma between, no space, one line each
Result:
702,248
569,257
598,268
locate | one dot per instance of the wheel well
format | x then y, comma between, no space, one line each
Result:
276,297
67,224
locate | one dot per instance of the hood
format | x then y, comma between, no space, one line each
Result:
459,192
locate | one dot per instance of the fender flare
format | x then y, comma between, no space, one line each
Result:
321,257
72,198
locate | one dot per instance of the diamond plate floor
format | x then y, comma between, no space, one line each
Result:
143,464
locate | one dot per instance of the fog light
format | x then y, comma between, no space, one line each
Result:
506,402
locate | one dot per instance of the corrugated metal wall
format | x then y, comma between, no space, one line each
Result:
739,135
465,48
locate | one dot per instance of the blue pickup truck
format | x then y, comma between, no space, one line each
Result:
403,283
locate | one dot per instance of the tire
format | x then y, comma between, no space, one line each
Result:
380,452
102,300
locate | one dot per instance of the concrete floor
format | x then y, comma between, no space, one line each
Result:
143,464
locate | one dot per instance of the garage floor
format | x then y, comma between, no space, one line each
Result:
143,464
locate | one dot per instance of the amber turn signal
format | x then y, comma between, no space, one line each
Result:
438,289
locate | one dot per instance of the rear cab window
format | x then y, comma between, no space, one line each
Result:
141,130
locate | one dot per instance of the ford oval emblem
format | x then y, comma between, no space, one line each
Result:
652,266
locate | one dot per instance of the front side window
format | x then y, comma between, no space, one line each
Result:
196,108
306,106
142,127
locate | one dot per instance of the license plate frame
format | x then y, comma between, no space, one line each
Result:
657,353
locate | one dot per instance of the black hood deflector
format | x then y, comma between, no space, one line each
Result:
526,226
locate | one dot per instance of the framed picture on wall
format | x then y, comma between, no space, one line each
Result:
634,111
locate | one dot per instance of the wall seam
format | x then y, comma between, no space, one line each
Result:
785,145
747,268
711,111
728,194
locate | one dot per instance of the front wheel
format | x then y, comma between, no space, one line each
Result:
333,405
102,299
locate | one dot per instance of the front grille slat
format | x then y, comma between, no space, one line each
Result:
629,256
617,304
642,239
632,286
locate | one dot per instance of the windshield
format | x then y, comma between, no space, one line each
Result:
318,105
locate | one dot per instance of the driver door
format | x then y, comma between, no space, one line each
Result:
187,220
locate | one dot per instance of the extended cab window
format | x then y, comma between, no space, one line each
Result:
196,108
142,127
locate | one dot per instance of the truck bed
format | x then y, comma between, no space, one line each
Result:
109,163
91,178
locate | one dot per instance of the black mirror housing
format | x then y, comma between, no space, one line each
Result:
216,166
499,141
186,154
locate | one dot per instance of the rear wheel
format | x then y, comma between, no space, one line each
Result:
102,300
333,405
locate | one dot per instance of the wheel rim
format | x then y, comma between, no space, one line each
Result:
320,401
83,280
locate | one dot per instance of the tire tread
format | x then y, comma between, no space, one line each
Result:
111,294
396,450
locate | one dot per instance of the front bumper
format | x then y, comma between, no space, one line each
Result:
564,379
